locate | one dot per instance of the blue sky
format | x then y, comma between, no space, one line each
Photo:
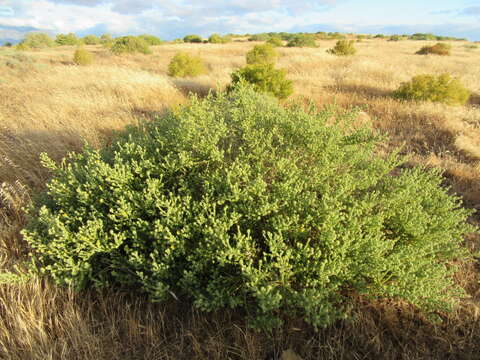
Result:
171,19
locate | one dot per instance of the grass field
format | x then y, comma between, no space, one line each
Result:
47,104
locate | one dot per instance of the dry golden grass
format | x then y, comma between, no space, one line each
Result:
49,105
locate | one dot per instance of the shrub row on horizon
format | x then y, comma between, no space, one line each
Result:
33,40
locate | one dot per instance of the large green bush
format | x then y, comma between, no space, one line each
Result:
437,49
151,39
275,41
193,39
265,78
233,201
262,54
36,40
185,65
442,88
343,48
67,39
218,39
130,45
302,41
91,40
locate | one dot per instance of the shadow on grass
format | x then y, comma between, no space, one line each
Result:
188,86
474,100
367,91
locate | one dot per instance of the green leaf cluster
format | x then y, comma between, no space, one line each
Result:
235,202
185,65
262,54
343,48
130,45
36,40
82,57
67,39
442,88
302,40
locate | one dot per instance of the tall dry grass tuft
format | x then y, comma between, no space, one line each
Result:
49,105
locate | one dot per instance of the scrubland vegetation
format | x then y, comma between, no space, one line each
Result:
260,182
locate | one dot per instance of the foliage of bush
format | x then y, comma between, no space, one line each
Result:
343,48
262,54
395,38
185,65
82,57
275,41
302,41
265,78
442,88
234,201
91,40
36,41
259,37
8,44
192,39
437,49
67,39
106,40
151,39
130,45
217,39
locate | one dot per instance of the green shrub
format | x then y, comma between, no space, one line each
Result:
265,78
262,54
151,39
437,49
302,41
442,88
233,201
185,65
91,40
82,57
67,39
275,41
130,45
192,39
106,40
36,41
217,39
259,37
343,48
395,38
8,44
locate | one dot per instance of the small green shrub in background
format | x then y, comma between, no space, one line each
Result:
36,41
192,39
395,38
275,41
470,46
302,41
67,39
151,39
82,57
437,49
262,54
106,40
217,39
91,40
185,65
442,88
130,45
8,44
343,48
236,202
265,78
259,37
